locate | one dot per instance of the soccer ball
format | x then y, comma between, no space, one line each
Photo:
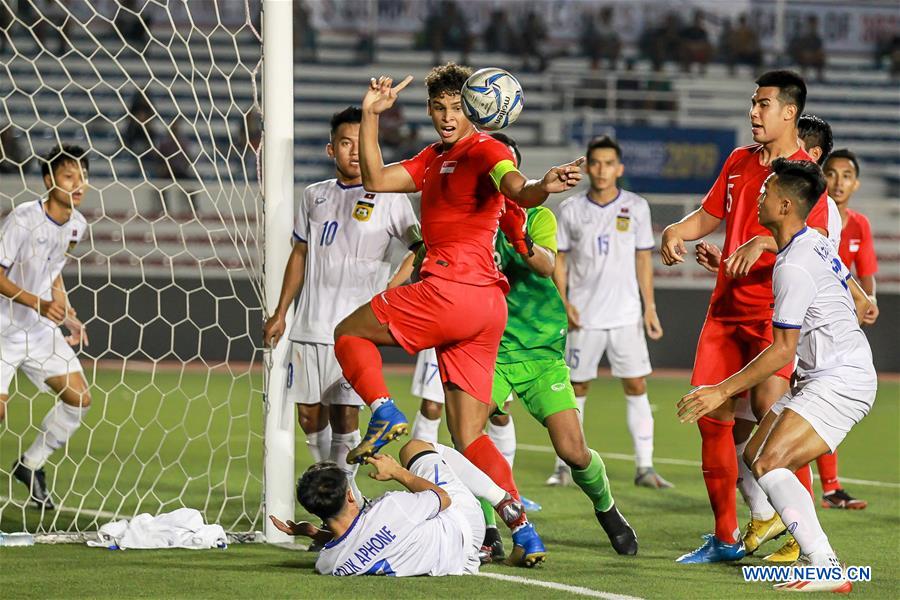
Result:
492,99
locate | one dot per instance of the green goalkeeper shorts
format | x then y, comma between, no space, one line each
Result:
542,385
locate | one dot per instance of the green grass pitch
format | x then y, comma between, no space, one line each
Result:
169,459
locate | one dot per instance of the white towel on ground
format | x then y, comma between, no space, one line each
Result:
181,528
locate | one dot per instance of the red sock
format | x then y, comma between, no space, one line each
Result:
804,475
827,465
720,473
361,363
484,454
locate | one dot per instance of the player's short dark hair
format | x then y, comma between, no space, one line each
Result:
816,132
847,154
511,144
446,79
322,489
604,141
791,87
801,180
62,154
351,114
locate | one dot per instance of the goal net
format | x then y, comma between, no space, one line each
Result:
168,277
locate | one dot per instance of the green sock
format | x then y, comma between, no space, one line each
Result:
594,483
490,517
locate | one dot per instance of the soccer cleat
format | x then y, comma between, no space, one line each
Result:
492,546
788,553
530,505
713,550
35,481
621,535
841,499
759,532
561,477
528,549
648,477
387,423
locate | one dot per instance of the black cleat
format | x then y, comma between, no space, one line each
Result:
36,483
492,546
621,535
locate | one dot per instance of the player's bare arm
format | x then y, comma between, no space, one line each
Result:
291,284
388,469
704,399
51,309
644,267
304,528
693,227
708,256
561,280
404,271
376,176
742,260
77,331
529,193
866,309
867,284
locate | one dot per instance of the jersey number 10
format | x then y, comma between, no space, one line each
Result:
329,229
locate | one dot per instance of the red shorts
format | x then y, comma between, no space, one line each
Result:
463,323
725,347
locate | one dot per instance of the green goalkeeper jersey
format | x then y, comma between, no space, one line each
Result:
536,326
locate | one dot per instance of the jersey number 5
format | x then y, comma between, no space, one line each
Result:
329,229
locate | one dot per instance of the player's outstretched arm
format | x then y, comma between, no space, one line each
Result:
388,469
529,193
704,399
291,284
51,309
693,227
377,177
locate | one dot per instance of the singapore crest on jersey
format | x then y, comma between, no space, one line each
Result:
364,207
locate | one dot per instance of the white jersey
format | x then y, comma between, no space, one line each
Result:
33,251
403,534
811,294
834,223
600,244
348,231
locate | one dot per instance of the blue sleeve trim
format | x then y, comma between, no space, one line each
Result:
647,248
298,238
7,267
438,496
785,325
847,278
562,249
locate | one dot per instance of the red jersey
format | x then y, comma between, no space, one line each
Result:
734,197
856,245
461,208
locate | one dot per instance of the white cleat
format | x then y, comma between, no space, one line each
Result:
562,477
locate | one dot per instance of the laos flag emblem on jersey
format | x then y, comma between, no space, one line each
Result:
363,209
623,220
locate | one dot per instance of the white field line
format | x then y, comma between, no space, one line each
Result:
552,585
66,509
694,463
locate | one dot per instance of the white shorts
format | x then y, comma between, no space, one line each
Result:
743,409
626,349
426,381
314,376
465,507
830,407
41,353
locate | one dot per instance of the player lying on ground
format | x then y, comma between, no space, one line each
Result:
603,269
339,260
815,320
34,241
458,307
434,528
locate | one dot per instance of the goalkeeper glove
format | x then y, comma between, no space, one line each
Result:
513,226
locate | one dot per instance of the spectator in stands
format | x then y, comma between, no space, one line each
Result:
133,25
12,154
446,28
139,129
659,44
888,46
531,43
743,46
807,49
600,40
695,46
499,35
305,36
174,167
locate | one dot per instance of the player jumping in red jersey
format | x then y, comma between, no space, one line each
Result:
458,306
738,324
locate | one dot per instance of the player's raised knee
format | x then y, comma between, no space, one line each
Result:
412,449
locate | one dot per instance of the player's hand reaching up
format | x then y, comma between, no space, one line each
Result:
386,467
562,178
700,401
672,248
708,256
381,95
513,225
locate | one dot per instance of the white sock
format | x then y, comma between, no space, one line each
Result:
57,427
425,429
579,400
341,444
378,402
319,444
753,494
640,424
504,437
471,476
796,508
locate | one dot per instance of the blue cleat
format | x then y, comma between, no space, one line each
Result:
530,505
528,549
713,550
387,423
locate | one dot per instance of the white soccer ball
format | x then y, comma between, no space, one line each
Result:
492,99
